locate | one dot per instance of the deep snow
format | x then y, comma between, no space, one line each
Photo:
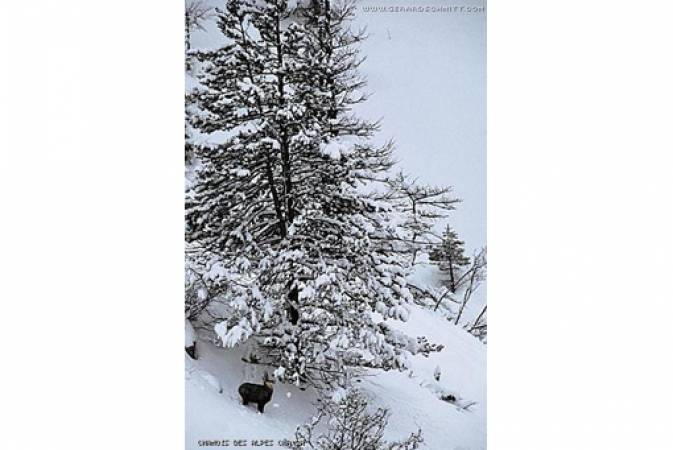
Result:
411,396
427,75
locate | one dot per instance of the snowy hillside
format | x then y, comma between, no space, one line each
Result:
302,235
412,397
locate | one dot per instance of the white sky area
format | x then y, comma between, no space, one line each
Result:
427,76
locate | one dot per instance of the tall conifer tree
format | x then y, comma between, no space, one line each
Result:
277,220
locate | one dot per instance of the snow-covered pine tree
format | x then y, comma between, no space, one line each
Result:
277,215
197,12
450,256
421,207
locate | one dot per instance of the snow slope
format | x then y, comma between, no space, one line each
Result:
411,396
439,127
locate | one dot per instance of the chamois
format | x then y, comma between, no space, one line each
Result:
257,393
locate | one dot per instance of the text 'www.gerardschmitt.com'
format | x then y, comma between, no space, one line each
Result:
444,9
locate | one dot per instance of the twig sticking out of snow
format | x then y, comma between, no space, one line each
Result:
466,406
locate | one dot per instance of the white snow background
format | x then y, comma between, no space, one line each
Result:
426,73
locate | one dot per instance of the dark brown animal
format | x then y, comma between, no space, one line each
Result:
257,393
